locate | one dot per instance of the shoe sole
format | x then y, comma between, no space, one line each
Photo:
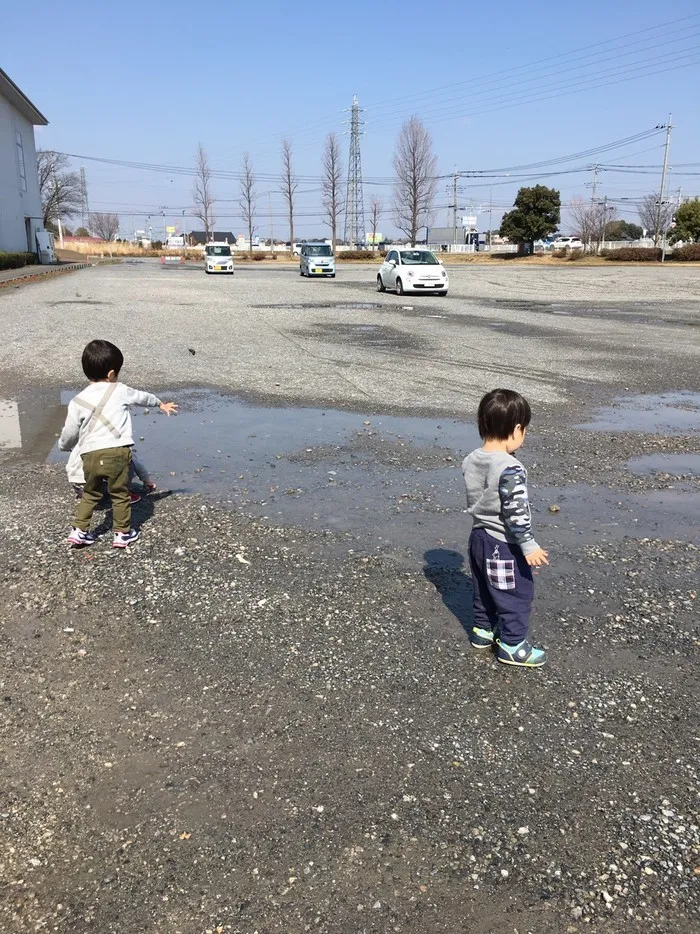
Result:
125,545
505,661
78,544
481,645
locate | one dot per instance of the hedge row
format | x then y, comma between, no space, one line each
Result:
634,254
356,254
16,260
688,253
645,254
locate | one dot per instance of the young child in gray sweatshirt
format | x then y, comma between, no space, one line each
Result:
502,547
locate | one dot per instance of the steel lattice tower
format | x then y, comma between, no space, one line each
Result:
354,233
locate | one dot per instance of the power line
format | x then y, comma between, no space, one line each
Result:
501,73
577,86
514,73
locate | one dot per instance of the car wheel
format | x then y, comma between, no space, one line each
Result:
380,285
399,287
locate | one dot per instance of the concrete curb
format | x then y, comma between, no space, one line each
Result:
53,271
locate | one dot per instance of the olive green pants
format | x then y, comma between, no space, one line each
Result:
112,465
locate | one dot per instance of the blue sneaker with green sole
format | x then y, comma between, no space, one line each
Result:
522,655
481,638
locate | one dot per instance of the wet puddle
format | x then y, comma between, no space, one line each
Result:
340,306
593,513
674,465
380,478
387,483
670,413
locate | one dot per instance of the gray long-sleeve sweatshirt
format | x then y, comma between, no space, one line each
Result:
497,497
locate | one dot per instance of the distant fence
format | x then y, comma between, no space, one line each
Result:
471,248
621,244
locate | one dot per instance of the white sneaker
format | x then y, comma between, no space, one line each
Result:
80,539
124,539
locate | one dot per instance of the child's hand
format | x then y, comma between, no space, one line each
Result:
170,408
537,558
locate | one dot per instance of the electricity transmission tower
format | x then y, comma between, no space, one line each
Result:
354,233
84,207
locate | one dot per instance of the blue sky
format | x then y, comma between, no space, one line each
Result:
146,83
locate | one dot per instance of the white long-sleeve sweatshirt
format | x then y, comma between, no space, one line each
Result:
99,417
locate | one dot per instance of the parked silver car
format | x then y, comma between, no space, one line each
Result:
316,259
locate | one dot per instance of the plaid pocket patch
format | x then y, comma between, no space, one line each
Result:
501,574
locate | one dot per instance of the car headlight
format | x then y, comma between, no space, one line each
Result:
410,275
444,274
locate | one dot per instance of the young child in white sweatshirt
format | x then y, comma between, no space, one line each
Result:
99,423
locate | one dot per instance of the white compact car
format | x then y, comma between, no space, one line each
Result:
218,258
568,243
412,270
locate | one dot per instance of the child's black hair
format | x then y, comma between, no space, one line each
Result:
99,357
500,411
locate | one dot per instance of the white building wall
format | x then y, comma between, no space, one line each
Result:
20,211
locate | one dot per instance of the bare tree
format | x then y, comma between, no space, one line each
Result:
289,185
202,194
248,197
61,194
589,219
331,182
655,221
375,210
105,226
415,185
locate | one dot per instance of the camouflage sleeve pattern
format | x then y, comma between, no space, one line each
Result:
515,508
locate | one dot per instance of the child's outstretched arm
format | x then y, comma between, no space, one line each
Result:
71,430
136,397
515,507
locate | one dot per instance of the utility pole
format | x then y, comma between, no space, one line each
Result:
58,209
662,192
454,212
593,185
354,232
272,234
85,210
605,220
490,209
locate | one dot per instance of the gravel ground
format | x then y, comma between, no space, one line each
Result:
277,337
242,728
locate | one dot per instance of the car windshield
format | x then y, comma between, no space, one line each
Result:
321,249
419,258
218,251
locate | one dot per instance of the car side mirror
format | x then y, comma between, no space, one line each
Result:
392,262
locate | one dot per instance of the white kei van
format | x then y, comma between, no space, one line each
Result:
316,259
218,258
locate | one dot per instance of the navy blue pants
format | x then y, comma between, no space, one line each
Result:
503,587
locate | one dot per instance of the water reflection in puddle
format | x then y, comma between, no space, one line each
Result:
675,465
669,413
